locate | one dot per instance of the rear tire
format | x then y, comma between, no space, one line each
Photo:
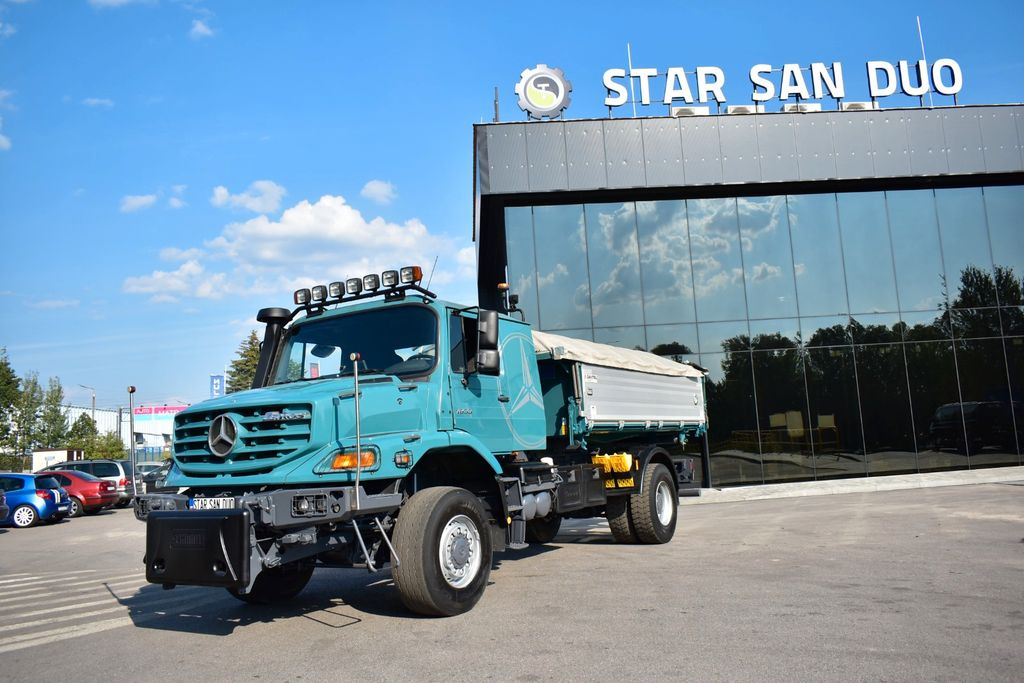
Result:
77,509
617,512
543,529
277,584
443,543
653,512
24,516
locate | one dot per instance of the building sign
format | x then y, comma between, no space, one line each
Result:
156,413
216,386
543,92
768,82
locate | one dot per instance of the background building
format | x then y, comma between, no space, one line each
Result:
851,279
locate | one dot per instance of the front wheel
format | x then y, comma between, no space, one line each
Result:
444,550
277,584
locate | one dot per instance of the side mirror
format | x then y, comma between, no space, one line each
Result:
488,362
487,327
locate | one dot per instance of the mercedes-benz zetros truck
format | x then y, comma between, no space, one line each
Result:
386,426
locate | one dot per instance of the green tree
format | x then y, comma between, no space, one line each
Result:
82,434
9,390
26,421
108,446
53,421
243,368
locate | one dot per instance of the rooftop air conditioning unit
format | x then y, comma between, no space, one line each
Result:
858,106
802,107
745,109
690,111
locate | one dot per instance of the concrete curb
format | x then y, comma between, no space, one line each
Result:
862,485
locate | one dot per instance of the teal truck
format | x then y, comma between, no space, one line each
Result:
386,426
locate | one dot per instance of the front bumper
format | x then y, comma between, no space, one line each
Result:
220,547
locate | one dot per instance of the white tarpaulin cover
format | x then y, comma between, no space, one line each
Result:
610,356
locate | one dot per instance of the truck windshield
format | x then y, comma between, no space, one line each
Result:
399,340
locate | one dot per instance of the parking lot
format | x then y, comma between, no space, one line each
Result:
924,584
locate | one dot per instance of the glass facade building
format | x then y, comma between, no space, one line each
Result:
845,333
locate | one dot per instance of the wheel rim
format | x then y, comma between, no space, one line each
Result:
663,502
76,507
24,516
459,551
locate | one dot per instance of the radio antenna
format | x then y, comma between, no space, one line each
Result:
432,272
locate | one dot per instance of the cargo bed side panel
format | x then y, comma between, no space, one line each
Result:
614,395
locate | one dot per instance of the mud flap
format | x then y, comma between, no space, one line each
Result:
198,548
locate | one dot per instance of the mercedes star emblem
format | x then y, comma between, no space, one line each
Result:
223,435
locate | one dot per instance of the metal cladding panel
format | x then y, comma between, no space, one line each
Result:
624,152
663,152
890,149
702,161
927,143
545,155
815,151
776,142
852,140
1002,148
1019,111
741,161
613,395
963,141
584,143
506,155
483,168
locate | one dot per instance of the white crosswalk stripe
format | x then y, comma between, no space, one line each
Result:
49,611
21,578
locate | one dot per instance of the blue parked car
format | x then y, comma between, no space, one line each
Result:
32,498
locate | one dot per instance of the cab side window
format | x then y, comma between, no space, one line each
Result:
463,336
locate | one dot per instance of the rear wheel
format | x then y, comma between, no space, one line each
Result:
24,516
543,529
77,509
277,584
619,520
654,511
443,545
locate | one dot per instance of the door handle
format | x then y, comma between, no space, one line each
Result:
502,398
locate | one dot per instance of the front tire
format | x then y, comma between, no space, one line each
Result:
277,584
24,516
443,543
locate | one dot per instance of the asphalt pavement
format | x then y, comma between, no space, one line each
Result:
914,584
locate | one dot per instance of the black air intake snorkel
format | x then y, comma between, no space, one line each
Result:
275,319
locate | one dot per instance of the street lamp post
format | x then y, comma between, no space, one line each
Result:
131,437
93,401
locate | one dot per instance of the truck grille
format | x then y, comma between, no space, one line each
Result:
260,440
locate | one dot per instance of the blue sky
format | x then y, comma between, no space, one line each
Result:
167,168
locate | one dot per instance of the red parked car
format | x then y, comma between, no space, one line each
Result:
89,494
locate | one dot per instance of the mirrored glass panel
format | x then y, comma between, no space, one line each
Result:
876,328
665,261
728,336
916,251
1014,349
673,340
562,278
965,247
732,435
624,337
935,402
774,334
717,263
866,251
827,330
817,257
521,267
767,257
614,264
885,408
834,413
988,413
785,429
925,325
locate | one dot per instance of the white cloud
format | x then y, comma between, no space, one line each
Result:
311,242
102,102
5,142
380,191
263,196
200,30
4,96
137,202
179,189
176,203
6,30
104,4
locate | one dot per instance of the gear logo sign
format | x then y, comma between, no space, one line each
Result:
543,92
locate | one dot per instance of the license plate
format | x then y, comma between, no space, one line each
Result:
62,507
211,503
